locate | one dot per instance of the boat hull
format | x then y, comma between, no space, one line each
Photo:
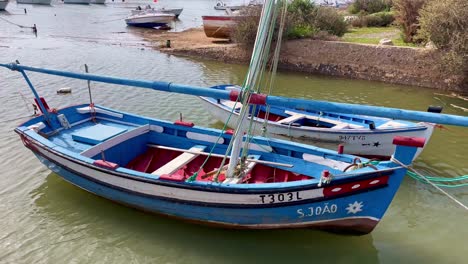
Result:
98,2
77,2
352,204
148,21
219,26
3,5
365,143
331,214
34,2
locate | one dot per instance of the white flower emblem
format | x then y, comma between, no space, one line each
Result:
354,208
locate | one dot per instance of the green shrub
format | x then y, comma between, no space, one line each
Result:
301,31
445,23
406,15
370,6
328,19
381,19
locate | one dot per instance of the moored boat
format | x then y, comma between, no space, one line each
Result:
178,169
359,135
3,4
34,2
149,20
98,2
219,26
150,9
77,2
220,5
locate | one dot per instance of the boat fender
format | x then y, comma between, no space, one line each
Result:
409,141
183,123
340,149
64,90
435,109
106,164
229,132
325,178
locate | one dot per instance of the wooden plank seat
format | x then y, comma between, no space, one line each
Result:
291,119
180,161
232,104
327,120
248,168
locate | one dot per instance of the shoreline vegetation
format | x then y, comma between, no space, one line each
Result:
394,41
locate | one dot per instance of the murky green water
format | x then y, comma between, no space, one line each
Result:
46,220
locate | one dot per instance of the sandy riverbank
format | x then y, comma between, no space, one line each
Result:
400,65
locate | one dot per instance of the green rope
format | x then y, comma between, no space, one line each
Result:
440,181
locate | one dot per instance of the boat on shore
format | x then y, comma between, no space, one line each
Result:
34,2
3,4
360,135
77,2
150,9
150,20
219,26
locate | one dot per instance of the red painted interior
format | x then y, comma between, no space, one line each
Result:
271,116
155,158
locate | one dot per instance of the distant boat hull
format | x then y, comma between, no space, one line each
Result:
3,5
149,20
219,26
175,11
34,2
98,2
77,2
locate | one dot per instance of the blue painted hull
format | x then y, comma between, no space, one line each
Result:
353,202
331,215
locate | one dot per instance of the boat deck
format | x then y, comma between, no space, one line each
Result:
67,138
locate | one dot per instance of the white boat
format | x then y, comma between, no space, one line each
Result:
219,26
150,9
360,135
220,5
80,2
149,20
3,4
34,2
98,2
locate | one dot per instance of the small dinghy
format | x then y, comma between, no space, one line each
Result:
220,5
360,135
150,20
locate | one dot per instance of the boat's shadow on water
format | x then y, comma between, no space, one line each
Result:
65,205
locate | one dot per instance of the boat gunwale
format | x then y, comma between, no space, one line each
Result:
420,126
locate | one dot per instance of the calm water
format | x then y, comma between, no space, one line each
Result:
46,220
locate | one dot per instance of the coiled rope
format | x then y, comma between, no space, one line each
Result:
428,181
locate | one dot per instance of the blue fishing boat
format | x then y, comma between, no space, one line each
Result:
181,170
361,135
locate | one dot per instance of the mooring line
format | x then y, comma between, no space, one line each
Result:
431,183
18,25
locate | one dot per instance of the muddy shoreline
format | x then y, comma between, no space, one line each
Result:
398,65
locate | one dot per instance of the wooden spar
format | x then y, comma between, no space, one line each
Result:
260,99
221,156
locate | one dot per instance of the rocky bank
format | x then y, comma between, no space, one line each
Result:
399,65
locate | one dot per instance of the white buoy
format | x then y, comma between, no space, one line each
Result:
64,90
